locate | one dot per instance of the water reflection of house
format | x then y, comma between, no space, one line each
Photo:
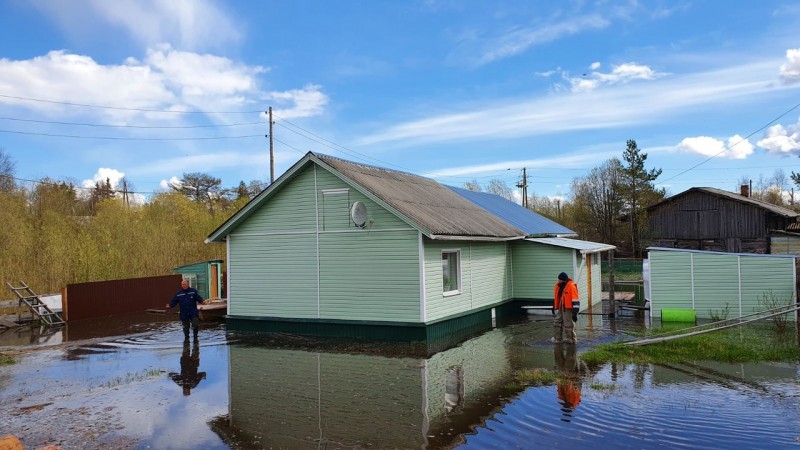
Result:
336,247
290,398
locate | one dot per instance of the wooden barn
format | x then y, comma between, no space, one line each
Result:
704,218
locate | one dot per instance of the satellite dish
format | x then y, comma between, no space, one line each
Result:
358,213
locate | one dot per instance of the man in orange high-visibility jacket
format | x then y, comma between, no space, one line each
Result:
566,305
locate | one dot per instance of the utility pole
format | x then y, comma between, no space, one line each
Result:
524,186
271,150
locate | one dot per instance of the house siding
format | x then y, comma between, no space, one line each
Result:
485,277
291,209
536,267
370,276
369,273
715,280
275,276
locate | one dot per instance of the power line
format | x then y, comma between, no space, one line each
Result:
119,108
116,138
332,145
735,144
290,146
130,126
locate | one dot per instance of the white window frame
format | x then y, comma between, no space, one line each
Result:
191,278
457,291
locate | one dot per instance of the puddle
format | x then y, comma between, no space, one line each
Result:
138,386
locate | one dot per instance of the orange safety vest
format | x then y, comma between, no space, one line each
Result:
570,293
569,393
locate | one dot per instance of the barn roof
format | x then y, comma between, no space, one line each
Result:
779,210
523,218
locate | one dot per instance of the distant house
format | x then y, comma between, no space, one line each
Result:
704,218
205,276
339,247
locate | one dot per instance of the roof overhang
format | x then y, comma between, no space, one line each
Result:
585,247
444,237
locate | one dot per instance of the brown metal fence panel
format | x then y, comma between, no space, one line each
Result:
113,297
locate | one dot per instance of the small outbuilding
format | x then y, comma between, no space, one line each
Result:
712,283
704,218
205,276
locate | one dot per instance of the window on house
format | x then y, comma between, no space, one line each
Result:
192,279
451,271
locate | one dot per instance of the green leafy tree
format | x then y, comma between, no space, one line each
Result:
199,187
638,191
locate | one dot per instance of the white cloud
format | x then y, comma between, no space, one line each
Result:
625,105
103,174
736,148
166,79
211,162
197,75
790,70
780,140
595,65
174,181
570,161
519,39
192,24
620,74
306,102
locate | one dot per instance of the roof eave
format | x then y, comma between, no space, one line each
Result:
447,237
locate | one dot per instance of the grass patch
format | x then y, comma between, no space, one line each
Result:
748,344
6,360
602,387
535,377
133,377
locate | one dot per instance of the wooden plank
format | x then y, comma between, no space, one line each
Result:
621,296
8,323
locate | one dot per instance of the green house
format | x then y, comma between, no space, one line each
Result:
713,282
339,247
205,276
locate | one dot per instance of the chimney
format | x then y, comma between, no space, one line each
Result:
745,190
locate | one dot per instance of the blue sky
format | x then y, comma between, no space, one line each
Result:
449,89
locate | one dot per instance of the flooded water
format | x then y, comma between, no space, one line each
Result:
133,384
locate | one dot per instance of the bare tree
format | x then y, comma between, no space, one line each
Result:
598,202
473,186
7,170
499,187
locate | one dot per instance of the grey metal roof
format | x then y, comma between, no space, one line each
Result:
577,244
779,210
523,218
433,207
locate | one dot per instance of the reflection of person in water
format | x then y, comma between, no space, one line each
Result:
569,381
189,378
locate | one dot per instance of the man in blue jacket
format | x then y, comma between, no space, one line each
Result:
188,298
